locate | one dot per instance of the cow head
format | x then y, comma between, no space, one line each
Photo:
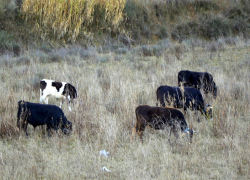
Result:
190,132
214,89
208,112
67,128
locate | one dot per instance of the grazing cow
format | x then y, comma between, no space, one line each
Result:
198,80
192,99
60,90
42,114
160,118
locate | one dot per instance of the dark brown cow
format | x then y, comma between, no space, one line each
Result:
160,118
198,80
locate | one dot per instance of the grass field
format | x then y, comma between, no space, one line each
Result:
112,81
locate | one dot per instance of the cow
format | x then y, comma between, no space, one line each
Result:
42,114
60,90
188,98
198,80
160,118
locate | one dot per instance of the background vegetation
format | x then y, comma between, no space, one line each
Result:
117,65
58,22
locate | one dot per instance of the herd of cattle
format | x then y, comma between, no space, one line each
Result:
163,116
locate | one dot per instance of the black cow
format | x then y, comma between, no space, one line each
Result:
198,80
42,114
160,118
192,99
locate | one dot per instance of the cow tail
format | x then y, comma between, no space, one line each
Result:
19,114
135,128
137,120
157,97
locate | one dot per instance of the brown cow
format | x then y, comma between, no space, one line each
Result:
160,118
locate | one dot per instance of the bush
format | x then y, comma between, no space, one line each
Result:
23,60
210,28
6,40
216,27
137,19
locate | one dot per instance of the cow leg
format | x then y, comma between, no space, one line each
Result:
197,114
202,113
48,130
175,130
62,101
169,135
140,135
133,133
22,122
185,110
47,100
191,135
25,125
140,128
61,104
41,96
19,122
44,98
198,119
69,107
43,130
69,100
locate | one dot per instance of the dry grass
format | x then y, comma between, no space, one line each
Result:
64,19
109,91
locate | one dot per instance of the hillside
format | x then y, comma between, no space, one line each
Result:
25,23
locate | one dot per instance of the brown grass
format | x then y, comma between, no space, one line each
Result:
64,19
109,91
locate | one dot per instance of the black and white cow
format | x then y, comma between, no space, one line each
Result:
60,90
42,114
190,98
198,80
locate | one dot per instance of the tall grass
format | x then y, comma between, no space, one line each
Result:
109,91
66,18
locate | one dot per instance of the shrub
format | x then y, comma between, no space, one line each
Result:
6,40
23,60
209,28
16,49
138,19
216,27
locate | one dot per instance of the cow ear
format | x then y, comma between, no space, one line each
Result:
209,107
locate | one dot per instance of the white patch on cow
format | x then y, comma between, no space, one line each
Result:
52,91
